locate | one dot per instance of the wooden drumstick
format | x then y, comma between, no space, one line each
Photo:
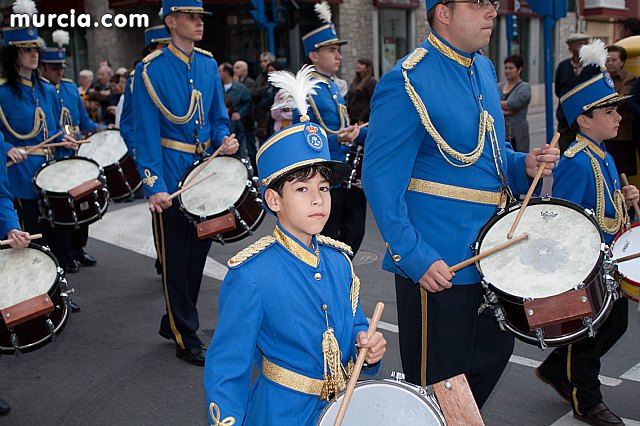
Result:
626,258
191,185
55,144
10,240
625,182
532,188
377,314
489,252
33,148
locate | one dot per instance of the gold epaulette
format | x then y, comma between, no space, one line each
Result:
151,56
2,81
414,58
204,52
44,79
68,80
251,251
335,243
576,148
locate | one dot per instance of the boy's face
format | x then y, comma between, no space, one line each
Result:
327,59
304,206
603,125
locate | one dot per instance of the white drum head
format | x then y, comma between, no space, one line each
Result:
105,148
562,250
628,243
384,402
25,274
61,176
218,192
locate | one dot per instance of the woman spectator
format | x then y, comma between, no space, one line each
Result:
515,95
361,91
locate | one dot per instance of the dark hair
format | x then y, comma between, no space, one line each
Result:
621,51
632,25
10,69
227,67
361,80
275,64
116,78
515,60
303,175
431,14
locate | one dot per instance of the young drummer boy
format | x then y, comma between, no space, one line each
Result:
289,302
587,176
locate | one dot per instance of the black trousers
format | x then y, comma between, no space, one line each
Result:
348,215
457,339
55,237
78,240
579,363
182,256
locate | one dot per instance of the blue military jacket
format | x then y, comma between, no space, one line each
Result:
271,307
173,76
126,116
418,228
8,215
574,179
69,98
329,110
19,112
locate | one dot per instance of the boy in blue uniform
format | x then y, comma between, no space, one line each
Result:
294,292
180,115
436,169
587,175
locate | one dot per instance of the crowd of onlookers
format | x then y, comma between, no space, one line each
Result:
101,93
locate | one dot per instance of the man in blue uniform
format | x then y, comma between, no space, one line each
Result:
587,175
180,115
301,321
348,207
436,169
73,119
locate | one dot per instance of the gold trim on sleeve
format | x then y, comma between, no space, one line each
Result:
214,412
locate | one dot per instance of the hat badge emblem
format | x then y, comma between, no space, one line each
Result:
314,140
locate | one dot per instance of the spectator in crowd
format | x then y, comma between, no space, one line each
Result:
268,98
567,73
85,79
621,147
262,116
122,71
241,74
361,91
281,116
235,127
240,99
103,84
117,88
94,108
515,95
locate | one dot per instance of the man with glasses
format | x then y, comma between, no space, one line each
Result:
436,169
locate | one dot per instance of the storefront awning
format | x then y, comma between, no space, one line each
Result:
114,4
397,4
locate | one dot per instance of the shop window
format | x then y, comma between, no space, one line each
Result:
394,34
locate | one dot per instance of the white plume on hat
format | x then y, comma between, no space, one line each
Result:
296,88
61,38
594,53
160,13
323,10
27,7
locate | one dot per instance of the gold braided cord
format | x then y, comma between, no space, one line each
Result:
65,118
342,113
252,250
354,293
334,374
621,218
214,412
195,104
486,125
39,125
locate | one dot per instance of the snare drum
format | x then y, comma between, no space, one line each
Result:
626,243
108,149
563,269
26,276
386,402
354,159
72,191
232,190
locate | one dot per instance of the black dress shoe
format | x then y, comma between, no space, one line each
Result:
563,387
72,267
86,259
195,356
600,415
167,334
4,407
74,306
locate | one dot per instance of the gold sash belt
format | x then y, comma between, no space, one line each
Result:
291,379
189,148
455,192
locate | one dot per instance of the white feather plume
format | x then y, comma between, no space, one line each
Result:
323,10
25,7
295,87
61,38
594,53
160,13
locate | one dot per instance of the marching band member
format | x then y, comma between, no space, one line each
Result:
301,322
322,48
435,171
180,115
587,175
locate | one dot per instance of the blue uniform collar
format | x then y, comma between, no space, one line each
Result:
444,47
23,80
180,54
597,148
322,77
293,245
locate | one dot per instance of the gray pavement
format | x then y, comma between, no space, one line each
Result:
110,367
